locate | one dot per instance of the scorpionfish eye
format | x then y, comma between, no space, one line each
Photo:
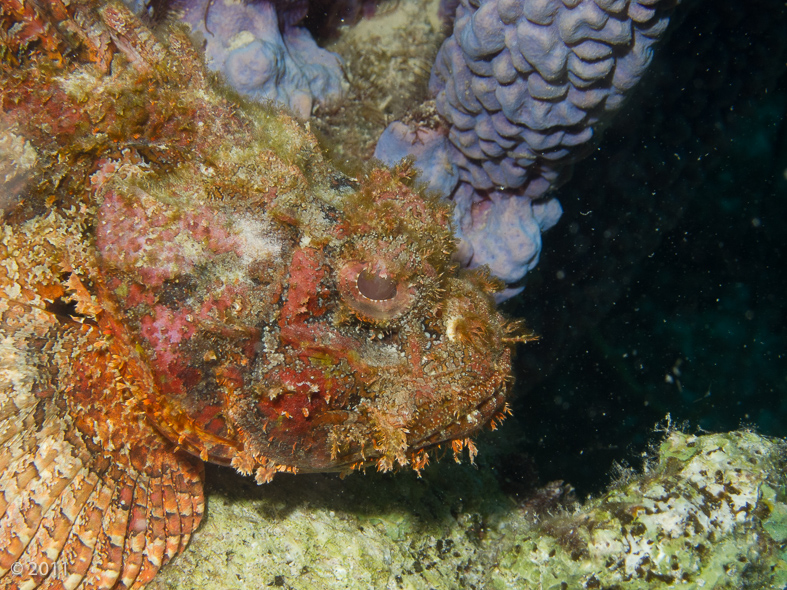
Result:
375,287
373,293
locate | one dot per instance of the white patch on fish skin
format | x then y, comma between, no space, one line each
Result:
259,241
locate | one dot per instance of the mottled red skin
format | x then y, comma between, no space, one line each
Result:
294,409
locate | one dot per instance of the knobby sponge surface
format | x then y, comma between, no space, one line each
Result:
525,85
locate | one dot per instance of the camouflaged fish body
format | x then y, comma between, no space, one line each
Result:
183,278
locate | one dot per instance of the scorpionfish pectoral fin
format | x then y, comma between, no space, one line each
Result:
91,496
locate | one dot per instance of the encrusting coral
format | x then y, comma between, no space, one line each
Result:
185,279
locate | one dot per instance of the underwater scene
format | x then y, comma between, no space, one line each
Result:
396,294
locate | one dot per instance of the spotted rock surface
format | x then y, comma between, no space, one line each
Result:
707,512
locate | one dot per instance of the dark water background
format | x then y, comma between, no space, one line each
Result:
662,288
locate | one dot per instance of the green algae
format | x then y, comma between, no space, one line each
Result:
707,512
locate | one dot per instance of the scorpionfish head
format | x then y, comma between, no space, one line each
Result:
304,330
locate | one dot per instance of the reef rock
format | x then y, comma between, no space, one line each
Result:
707,512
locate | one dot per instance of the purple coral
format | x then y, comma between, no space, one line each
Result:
265,55
523,86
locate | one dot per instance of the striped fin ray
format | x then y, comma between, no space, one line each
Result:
91,496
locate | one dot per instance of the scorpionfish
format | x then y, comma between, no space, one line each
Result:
185,278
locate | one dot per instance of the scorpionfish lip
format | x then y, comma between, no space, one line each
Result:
371,294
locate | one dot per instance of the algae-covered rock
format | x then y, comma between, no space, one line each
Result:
707,512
